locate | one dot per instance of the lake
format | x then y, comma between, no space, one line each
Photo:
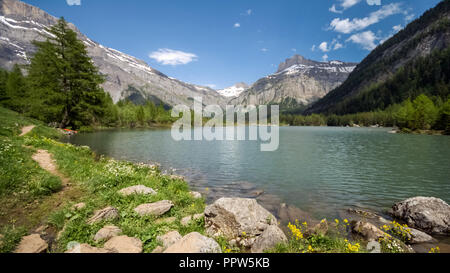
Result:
321,170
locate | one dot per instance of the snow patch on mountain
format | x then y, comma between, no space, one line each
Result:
233,91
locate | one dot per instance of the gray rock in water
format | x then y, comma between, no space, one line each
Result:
31,244
429,214
419,237
157,208
139,189
194,243
108,213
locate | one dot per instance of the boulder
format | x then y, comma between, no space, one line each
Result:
187,220
139,189
368,231
196,195
108,213
233,217
272,236
194,243
107,233
169,238
31,244
419,237
429,214
156,209
158,250
245,222
124,244
87,249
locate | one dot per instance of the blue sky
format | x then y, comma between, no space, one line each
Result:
219,43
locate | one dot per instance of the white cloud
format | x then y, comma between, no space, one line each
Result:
73,2
313,48
236,25
167,56
264,49
374,2
397,28
365,39
348,26
338,46
293,49
325,58
249,12
324,47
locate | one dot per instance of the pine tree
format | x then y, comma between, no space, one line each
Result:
65,81
16,90
3,79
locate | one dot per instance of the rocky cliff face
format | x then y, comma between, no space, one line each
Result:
298,82
126,76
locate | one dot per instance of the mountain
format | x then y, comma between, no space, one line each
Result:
297,83
234,91
414,61
126,77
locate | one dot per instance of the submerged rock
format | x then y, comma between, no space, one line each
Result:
31,244
108,213
156,209
194,243
429,214
244,221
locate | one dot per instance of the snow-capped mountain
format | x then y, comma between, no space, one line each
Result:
233,91
298,82
126,76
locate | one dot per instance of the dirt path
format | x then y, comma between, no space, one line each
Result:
27,129
46,162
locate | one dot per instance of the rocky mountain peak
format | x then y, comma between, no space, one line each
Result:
296,59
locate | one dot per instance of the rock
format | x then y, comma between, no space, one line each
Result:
157,209
168,220
139,189
321,228
419,237
194,243
429,214
196,195
32,244
87,249
169,238
373,247
272,236
79,206
233,217
1,240
257,193
368,231
108,213
124,244
158,249
187,220
107,233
